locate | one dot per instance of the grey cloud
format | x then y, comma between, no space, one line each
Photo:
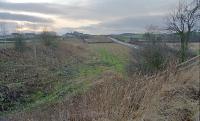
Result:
45,8
129,24
28,7
96,9
20,17
116,16
63,11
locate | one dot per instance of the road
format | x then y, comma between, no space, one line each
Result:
123,43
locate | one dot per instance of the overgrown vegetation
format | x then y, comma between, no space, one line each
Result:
168,96
25,80
42,75
151,58
89,82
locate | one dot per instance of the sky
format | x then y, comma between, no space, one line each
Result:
87,16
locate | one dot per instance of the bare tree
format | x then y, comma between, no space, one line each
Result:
183,21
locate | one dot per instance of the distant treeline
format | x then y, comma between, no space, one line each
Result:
195,37
172,38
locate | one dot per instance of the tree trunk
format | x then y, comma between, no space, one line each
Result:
184,47
185,37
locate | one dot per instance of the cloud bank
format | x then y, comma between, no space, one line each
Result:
90,16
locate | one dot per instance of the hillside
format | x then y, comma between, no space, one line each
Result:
172,95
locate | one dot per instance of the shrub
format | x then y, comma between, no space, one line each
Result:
151,58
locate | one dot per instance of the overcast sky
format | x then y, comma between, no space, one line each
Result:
88,16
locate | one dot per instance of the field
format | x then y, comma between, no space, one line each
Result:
98,39
53,74
128,36
195,47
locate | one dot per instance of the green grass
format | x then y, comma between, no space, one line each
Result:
77,83
88,70
111,60
39,98
61,91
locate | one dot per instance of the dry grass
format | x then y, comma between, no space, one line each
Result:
172,96
193,46
26,79
12,62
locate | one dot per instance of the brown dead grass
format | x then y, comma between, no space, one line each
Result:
170,96
193,46
26,79
14,63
